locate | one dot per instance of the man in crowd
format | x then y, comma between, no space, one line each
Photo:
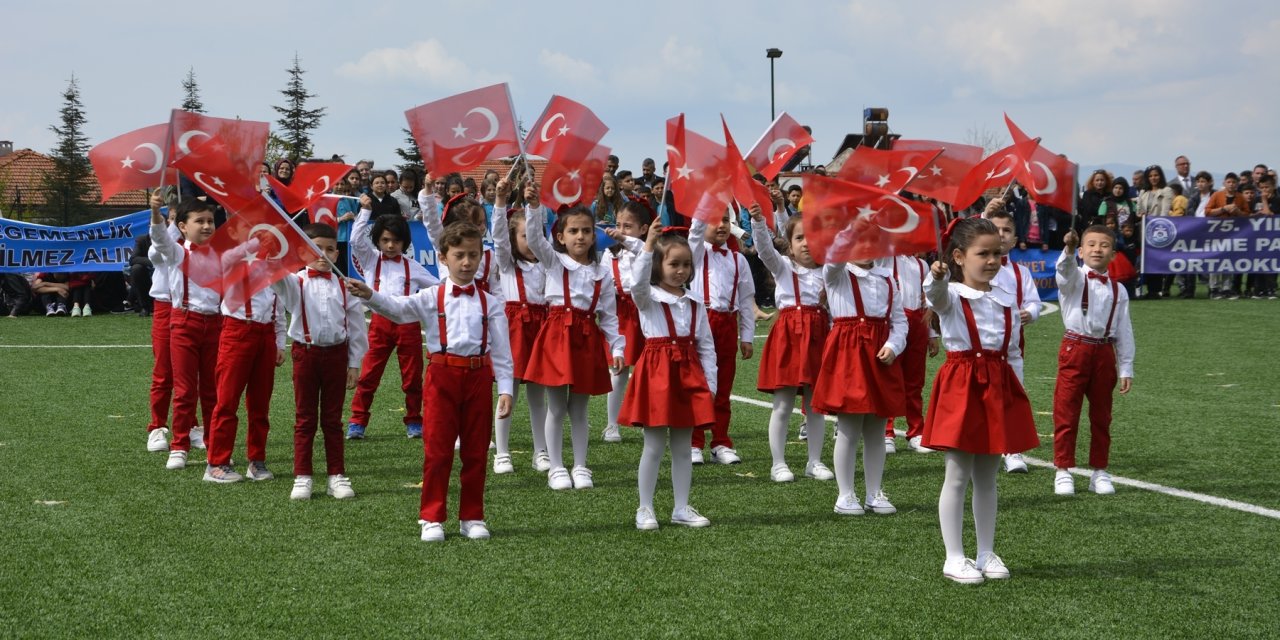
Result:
1183,167
1227,203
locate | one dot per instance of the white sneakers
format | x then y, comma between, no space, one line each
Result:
992,567
963,571
177,460
848,505
1013,463
890,444
541,462
582,478
558,479
1100,483
915,444
696,455
258,471
502,464
301,488
645,520
612,434
340,487
1063,484
158,440
818,471
781,473
880,505
432,531
221,474
689,517
725,455
197,437
472,530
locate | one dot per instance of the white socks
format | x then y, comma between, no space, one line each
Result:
562,403
655,441
784,402
537,399
619,390
816,427
961,468
871,429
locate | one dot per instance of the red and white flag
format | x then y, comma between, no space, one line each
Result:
889,170
256,247
782,140
997,170
565,127
698,173
324,209
134,160
941,179
459,132
311,181
571,177
746,190
208,163
1049,178
845,221
246,140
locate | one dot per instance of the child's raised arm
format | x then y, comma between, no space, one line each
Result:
773,261
538,243
936,291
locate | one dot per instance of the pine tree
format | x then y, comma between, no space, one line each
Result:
191,93
296,120
67,186
411,155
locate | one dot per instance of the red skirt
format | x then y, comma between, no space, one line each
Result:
978,406
668,388
523,322
792,354
629,328
569,350
851,380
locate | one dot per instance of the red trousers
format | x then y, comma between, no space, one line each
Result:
1084,371
912,361
246,360
724,330
319,380
193,348
461,403
162,366
386,336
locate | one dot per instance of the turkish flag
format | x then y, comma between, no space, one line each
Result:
311,181
565,127
746,190
698,174
133,160
209,164
886,170
459,132
997,170
846,221
323,209
1048,177
782,140
246,140
941,179
572,177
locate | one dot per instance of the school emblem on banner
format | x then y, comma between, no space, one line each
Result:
1161,232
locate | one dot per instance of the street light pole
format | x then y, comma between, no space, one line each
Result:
772,54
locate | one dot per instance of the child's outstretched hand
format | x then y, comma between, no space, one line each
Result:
531,193
935,347
1126,384
1071,240
279,357
651,239
504,406
886,356
353,374
746,348
365,201
757,214
938,270
359,289
504,190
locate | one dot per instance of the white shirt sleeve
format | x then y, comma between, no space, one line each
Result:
500,347
706,345
357,333
1124,337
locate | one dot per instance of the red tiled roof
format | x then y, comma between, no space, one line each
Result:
502,167
23,173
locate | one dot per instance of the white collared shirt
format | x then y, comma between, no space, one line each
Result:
530,272
721,268
431,217
782,268
988,314
874,285
171,256
1071,282
332,316
624,260
653,321
391,270
1008,280
266,310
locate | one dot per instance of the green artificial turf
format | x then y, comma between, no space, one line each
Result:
100,540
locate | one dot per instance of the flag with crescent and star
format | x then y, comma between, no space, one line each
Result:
997,170
323,209
746,190
133,160
311,181
573,174
846,221
209,164
1048,177
782,140
941,178
887,170
256,247
566,130
246,140
459,132
698,173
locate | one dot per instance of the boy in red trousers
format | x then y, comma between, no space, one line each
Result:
1097,349
467,339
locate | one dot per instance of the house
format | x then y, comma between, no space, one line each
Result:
22,193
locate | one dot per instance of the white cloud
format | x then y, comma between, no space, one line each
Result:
566,67
680,58
426,61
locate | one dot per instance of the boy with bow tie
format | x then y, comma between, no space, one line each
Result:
1017,280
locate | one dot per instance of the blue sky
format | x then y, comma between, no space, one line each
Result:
1132,82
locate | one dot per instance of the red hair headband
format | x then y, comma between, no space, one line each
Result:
946,235
444,216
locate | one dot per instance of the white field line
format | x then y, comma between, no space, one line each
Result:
1127,482
75,346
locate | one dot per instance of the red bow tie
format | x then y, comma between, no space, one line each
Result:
1004,262
1093,275
312,273
468,290
720,250
394,259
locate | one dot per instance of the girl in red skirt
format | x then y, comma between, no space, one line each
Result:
857,381
633,222
522,280
567,357
673,391
977,410
792,354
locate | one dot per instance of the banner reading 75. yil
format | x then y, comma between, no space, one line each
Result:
1211,245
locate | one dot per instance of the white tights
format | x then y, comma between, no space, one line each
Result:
961,468
872,429
536,395
784,401
655,441
561,402
619,390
